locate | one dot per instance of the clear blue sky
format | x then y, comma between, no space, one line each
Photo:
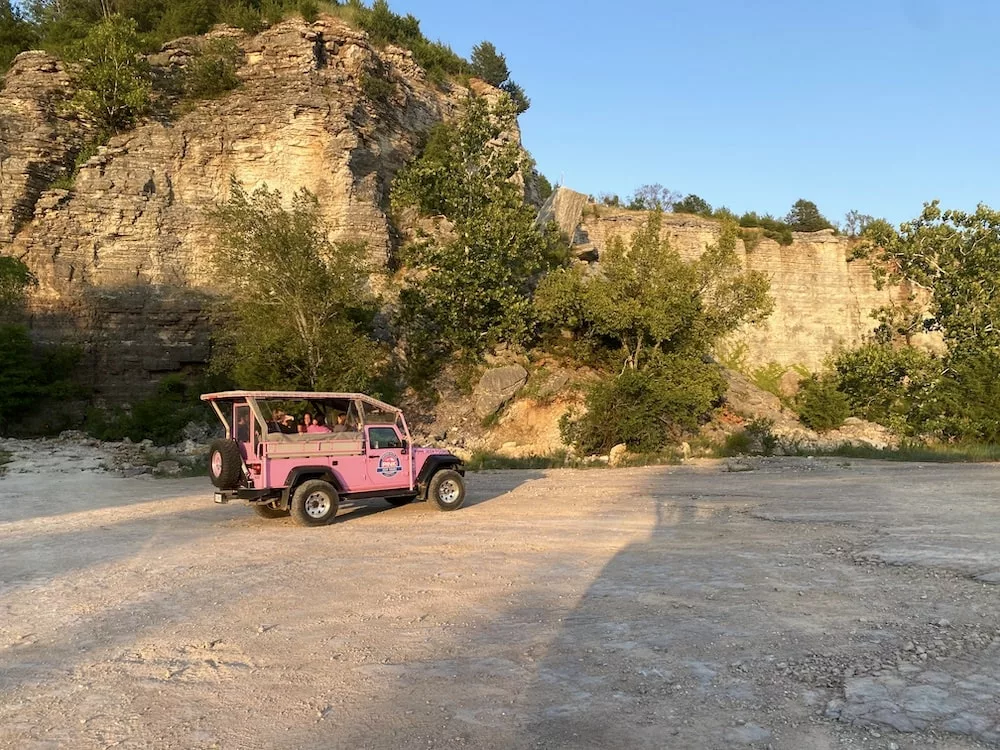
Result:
877,105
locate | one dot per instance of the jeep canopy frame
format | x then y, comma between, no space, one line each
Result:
253,397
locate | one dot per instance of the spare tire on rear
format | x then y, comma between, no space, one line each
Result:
225,464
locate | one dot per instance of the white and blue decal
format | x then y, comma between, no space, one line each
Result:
389,465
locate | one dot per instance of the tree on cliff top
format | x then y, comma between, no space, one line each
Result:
805,217
16,34
299,310
491,66
113,79
693,204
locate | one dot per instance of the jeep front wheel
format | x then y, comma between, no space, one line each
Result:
447,489
314,503
225,464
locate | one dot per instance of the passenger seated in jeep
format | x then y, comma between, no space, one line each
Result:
318,425
341,425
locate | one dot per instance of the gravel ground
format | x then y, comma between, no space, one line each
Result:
803,604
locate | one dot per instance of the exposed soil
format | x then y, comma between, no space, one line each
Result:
804,604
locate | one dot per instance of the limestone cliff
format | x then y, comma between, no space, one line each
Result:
822,300
121,256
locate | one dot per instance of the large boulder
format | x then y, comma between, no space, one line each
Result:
498,386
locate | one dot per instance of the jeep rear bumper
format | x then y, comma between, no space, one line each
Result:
224,496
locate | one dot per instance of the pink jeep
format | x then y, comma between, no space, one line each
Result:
353,447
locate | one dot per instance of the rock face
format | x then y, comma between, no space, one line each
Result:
498,386
36,144
821,299
122,255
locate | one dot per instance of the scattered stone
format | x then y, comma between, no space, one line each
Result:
168,468
618,455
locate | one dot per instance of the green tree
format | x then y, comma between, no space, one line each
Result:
693,204
955,257
647,301
544,186
652,198
472,291
113,78
16,34
855,223
298,312
517,96
16,280
489,64
805,217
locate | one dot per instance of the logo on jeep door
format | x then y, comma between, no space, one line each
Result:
388,465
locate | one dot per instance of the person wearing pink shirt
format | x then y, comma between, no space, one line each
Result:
318,424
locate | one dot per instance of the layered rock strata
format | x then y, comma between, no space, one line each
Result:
121,255
823,299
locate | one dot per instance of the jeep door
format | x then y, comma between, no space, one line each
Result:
387,458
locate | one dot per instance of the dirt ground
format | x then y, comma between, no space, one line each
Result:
804,604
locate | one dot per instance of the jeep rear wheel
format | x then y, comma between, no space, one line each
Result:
225,464
315,503
447,489
266,511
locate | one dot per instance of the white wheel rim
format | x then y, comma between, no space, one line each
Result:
317,505
217,463
448,491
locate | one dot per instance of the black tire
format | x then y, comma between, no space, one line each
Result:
447,489
395,502
225,464
314,503
266,511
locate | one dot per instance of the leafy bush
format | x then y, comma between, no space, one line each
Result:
770,227
891,385
757,438
964,404
212,70
820,405
309,10
377,88
243,16
646,409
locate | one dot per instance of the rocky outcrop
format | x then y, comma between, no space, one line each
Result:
37,142
822,299
125,249
496,387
